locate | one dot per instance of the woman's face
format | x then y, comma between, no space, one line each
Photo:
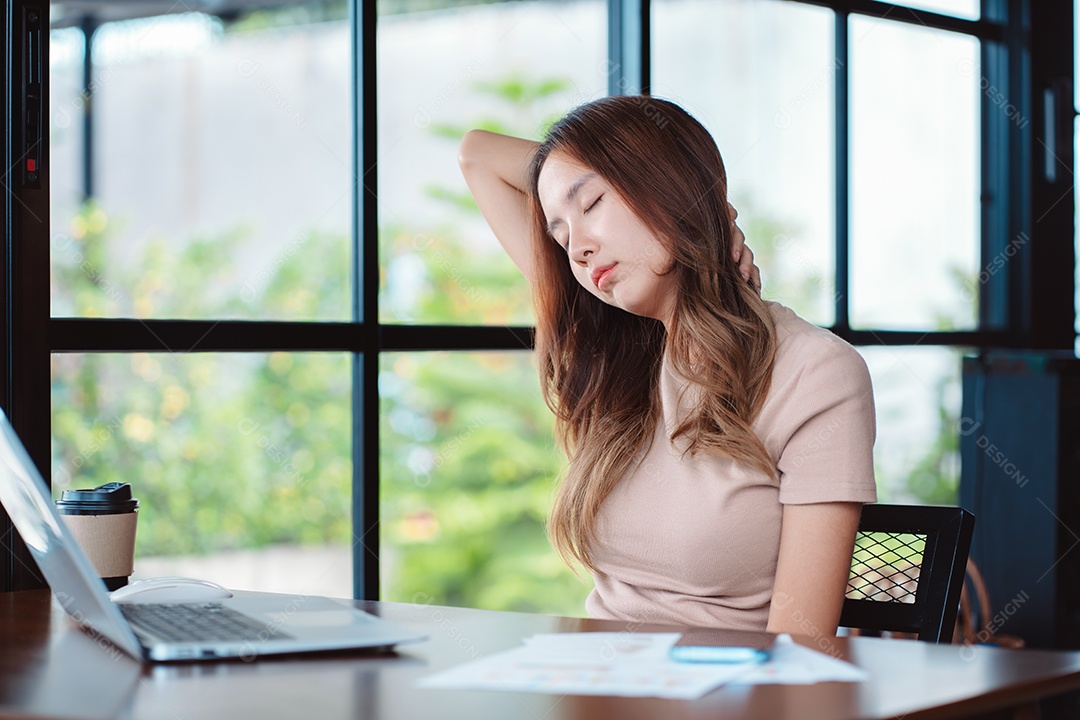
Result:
611,252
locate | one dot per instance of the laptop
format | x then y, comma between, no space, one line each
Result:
246,625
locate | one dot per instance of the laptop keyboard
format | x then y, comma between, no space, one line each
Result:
197,622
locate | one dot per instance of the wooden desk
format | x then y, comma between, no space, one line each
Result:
50,668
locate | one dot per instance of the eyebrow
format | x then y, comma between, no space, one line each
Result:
571,193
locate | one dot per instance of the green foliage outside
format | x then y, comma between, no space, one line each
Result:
468,460
468,465
934,479
223,451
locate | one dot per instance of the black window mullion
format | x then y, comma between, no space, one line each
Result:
986,339
999,202
131,335
126,335
842,297
629,49
365,289
24,389
1045,67
89,26
985,27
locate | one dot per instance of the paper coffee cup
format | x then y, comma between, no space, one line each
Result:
103,520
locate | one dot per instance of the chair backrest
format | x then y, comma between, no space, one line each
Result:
907,570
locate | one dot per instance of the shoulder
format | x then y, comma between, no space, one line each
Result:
801,345
809,355
818,420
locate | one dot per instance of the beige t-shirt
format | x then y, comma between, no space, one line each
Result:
694,540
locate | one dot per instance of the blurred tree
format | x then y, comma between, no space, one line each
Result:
224,451
934,479
468,459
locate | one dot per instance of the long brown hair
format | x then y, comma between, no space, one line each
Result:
600,365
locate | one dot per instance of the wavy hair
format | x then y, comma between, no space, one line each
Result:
600,365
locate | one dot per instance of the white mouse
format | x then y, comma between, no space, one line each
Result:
170,590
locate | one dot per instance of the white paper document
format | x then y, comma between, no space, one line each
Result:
631,664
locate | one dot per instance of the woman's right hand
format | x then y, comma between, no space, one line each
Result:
496,169
742,253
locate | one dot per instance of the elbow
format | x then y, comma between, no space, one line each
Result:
467,149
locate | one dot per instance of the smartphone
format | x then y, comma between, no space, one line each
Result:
723,646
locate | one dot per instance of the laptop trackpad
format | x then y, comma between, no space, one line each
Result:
298,611
318,618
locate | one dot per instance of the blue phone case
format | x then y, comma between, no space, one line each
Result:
707,645
716,654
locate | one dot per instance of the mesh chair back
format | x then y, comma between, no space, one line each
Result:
908,569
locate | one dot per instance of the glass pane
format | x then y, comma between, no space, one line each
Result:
523,64
241,463
760,76
966,9
914,177
917,394
468,464
222,171
66,102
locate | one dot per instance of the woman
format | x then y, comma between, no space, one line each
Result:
720,447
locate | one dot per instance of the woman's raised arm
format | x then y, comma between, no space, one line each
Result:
496,170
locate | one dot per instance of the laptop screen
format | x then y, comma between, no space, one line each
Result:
67,569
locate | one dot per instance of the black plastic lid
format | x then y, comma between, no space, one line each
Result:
108,499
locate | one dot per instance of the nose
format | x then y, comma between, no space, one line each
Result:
582,246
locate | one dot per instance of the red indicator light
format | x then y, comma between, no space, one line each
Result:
31,165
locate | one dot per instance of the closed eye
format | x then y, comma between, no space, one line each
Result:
594,203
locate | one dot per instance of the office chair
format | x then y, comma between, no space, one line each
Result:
907,570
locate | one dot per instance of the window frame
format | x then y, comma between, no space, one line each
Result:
1022,306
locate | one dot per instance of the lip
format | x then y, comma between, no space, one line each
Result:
600,274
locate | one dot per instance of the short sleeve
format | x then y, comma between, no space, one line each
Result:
829,455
